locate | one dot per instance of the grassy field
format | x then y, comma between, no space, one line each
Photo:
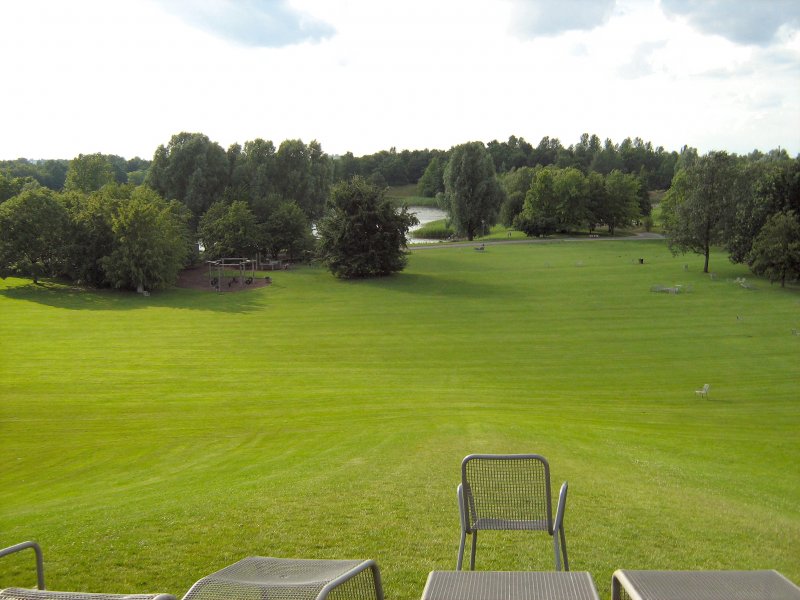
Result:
409,196
150,441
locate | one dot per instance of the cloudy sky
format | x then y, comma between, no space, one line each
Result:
123,76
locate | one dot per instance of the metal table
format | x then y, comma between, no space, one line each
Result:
509,585
702,585
261,578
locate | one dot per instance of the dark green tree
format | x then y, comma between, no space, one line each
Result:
362,234
287,231
345,167
229,230
33,228
11,186
303,174
254,173
191,169
622,200
571,192
696,207
539,214
516,184
776,249
88,173
764,187
432,180
607,159
90,235
150,242
596,199
472,193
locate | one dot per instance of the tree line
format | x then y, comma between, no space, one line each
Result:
98,231
538,200
394,168
749,205
258,197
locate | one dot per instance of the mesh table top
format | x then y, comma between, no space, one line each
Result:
259,577
509,585
706,585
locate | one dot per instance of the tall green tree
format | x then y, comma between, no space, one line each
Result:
776,249
571,191
254,172
696,207
90,235
432,180
622,200
596,199
150,242
764,187
229,230
303,174
539,214
88,173
33,228
11,186
516,184
363,234
471,190
191,169
287,230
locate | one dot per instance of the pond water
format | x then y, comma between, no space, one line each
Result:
425,214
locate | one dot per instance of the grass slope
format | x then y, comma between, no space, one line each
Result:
150,441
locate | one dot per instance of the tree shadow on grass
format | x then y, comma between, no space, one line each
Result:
429,285
68,297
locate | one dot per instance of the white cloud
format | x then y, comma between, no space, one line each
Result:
122,77
258,23
741,21
552,17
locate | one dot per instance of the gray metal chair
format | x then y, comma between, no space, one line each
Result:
509,492
15,593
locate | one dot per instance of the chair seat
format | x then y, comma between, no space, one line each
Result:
510,524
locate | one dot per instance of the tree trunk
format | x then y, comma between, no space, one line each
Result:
707,252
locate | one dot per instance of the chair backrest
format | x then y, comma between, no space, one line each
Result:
507,491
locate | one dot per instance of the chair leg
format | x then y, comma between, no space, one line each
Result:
556,551
461,550
474,545
564,548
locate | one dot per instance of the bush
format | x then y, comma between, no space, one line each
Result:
435,230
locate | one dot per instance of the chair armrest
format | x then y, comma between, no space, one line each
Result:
462,510
39,558
558,524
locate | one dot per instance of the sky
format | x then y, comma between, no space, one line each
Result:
122,76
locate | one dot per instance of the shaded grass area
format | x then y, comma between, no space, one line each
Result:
153,440
408,195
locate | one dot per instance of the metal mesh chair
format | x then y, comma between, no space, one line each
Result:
509,492
262,578
15,593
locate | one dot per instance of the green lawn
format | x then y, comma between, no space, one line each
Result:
408,195
150,441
